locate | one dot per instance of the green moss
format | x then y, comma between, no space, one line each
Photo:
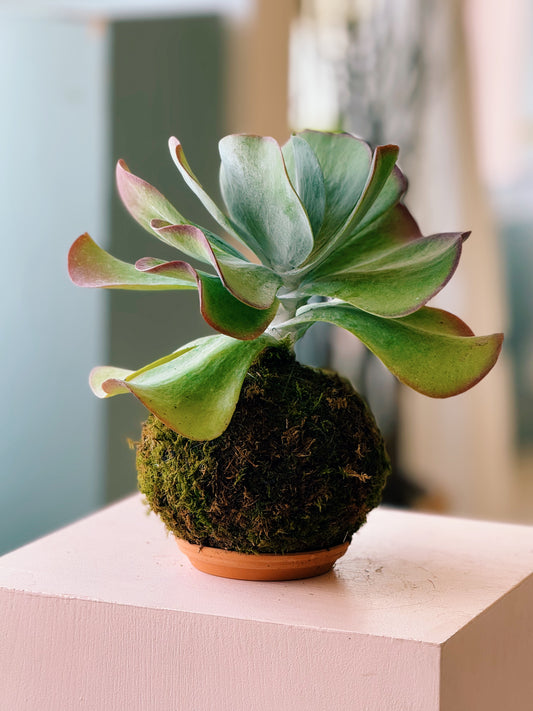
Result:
299,467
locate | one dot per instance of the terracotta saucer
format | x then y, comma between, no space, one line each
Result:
246,566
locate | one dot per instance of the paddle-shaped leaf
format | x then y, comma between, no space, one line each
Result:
430,350
395,281
195,390
90,265
262,202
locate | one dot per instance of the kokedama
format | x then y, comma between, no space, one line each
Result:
245,449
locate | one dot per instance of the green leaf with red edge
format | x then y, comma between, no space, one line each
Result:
152,210
194,390
194,241
253,284
394,281
384,187
188,239
262,202
90,265
176,268
430,350
144,202
395,228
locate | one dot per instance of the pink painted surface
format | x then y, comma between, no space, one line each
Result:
107,614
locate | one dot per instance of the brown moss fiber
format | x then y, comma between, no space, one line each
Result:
299,467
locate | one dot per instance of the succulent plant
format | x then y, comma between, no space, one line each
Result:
324,217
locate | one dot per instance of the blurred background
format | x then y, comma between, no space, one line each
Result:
84,83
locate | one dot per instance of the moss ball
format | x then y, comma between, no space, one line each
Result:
299,467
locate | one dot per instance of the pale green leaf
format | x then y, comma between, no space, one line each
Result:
195,390
306,177
345,163
262,202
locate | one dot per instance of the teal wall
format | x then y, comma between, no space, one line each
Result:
53,138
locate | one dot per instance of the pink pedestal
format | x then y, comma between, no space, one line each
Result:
422,614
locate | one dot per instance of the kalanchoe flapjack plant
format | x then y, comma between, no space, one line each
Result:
246,449
324,217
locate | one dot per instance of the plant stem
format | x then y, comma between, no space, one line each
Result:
287,309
